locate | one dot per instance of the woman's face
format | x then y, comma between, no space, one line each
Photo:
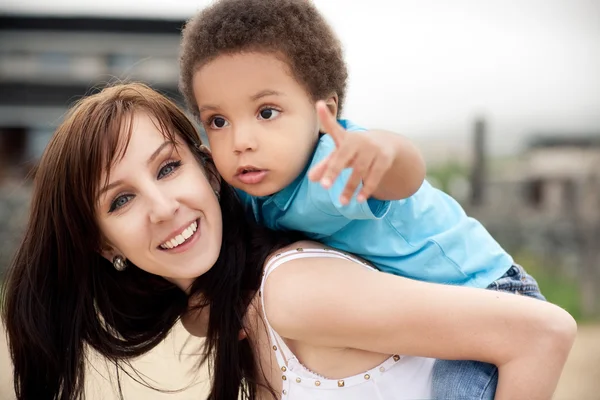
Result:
159,210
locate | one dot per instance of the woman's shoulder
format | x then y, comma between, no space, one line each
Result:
300,244
293,247
294,269
310,252
298,284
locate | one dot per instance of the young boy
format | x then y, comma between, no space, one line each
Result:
254,72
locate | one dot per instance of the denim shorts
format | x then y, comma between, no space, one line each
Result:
474,380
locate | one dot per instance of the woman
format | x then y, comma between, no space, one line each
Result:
131,229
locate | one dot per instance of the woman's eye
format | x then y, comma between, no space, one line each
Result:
218,123
168,169
268,113
120,202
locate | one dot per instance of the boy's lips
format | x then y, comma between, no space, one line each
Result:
250,175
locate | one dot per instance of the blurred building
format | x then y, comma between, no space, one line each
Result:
563,172
555,176
47,62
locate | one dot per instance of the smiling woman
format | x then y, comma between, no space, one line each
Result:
158,204
110,264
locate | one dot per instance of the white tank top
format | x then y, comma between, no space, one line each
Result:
397,378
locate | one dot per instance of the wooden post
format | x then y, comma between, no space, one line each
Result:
478,168
589,226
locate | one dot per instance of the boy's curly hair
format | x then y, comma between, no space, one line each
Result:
293,29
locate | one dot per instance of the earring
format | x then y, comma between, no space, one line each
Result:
218,195
119,263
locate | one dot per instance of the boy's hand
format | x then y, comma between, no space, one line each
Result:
369,159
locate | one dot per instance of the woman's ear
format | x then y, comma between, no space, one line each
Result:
108,251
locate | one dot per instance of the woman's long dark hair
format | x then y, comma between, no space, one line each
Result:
61,295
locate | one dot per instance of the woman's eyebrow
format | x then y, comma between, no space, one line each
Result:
150,160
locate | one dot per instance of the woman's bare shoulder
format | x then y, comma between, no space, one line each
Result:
348,259
301,244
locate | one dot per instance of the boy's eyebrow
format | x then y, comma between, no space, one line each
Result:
265,93
207,107
254,97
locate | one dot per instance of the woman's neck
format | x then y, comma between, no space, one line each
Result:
195,320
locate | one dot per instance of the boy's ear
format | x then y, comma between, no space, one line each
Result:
205,149
332,104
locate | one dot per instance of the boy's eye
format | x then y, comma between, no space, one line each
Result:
268,113
218,123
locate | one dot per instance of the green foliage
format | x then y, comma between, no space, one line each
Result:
443,174
557,288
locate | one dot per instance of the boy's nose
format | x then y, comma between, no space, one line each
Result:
244,140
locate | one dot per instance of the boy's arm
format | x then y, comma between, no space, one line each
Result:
407,172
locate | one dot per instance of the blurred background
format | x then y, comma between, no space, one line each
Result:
502,97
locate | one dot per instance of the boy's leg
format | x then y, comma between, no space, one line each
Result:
475,380
464,380
517,280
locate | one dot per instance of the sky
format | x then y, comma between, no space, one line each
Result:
427,68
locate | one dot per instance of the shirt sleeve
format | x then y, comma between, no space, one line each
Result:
328,201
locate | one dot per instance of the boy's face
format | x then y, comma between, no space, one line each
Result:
261,123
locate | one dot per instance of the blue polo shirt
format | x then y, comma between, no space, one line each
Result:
427,236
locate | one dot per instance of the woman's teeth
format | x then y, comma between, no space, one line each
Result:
182,237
